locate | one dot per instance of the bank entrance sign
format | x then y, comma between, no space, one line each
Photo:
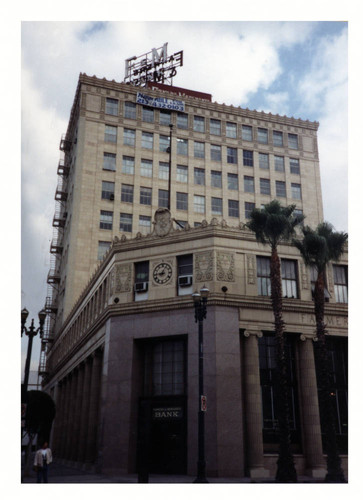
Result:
154,66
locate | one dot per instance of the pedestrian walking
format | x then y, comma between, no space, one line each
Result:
43,457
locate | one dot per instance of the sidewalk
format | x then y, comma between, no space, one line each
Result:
59,473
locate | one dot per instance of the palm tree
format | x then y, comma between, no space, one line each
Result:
272,225
319,247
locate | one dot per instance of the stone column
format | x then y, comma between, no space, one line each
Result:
65,416
82,443
77,412
253,405
58,420
310,419
70,419
93,409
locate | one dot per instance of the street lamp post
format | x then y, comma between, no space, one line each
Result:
31,332
200,305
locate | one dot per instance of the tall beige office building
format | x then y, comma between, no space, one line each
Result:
120,354
114,171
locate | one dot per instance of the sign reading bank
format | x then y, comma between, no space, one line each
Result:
160,102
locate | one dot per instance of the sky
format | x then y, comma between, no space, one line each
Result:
292,67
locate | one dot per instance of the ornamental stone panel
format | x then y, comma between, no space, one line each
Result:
225,266
204,264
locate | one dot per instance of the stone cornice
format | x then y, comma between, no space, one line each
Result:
194,101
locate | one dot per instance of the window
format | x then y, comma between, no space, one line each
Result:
296,191
108,190
263,276
128,165
110,133
164,368
181,173
262,135
197,224
163,170
249,184
199,204
199,176
103,246
340,283
111,106
215,126
198,124
109,161
181,201
217,206
292,141
127,193
247,158
263,161
146,168
246,133
199,149
232,155
129,137
130,110
231,130
279,163
216,179
248,209
265,186
106,219
165,117
126,223
294,166
233,208
182,120
145,196
269,380
182,146
289,278
147,140
142,271
277,138
164,143
281,189
181,223
215,152
232,181
147,114
163,198
144,224
185,265
337,354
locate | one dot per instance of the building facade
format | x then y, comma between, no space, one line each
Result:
120,354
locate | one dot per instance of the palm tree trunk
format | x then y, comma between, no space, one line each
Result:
286,472
335,473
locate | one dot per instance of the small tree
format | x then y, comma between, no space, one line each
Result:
272,225
319,247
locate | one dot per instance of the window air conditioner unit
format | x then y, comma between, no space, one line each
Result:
112,197
141,287
185,280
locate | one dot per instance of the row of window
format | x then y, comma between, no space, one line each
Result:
127,190
128,163
289,279
232,130
147,142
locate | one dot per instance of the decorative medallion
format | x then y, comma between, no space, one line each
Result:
225,266
123,278
204,266
162,273
251,273
163,222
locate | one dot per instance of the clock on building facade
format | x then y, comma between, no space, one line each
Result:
162,273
